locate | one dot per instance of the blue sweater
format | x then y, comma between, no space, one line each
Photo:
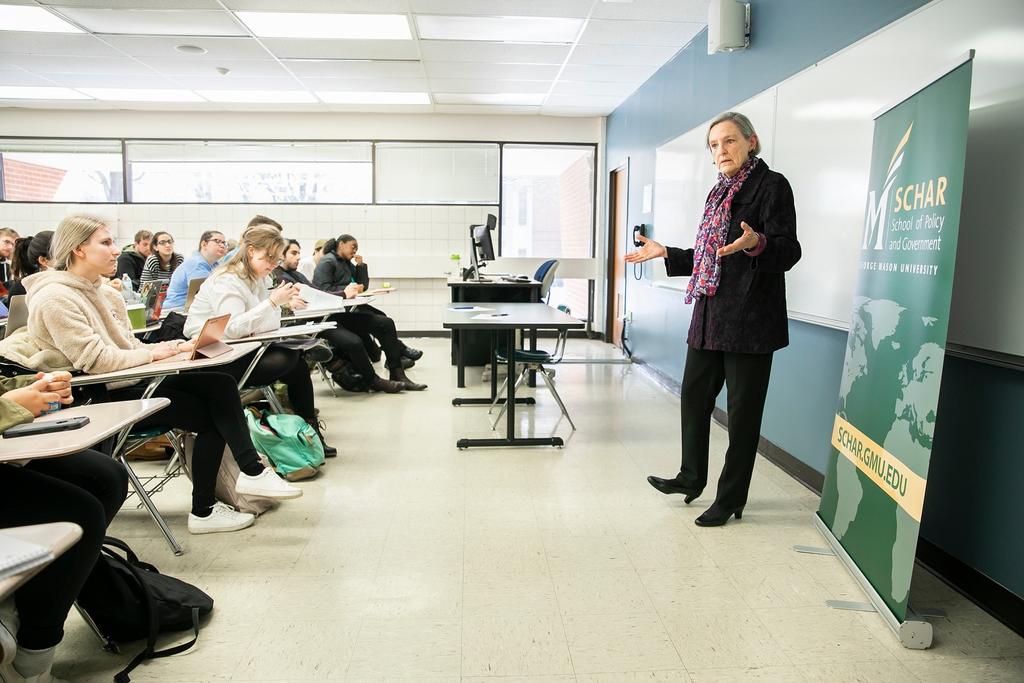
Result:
193,267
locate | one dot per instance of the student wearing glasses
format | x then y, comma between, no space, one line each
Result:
212,247
163,260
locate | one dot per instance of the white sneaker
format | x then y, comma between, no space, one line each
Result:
222,518
266,484
9,675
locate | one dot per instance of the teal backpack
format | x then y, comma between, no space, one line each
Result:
290,443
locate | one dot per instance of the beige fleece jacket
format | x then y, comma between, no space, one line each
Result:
74,324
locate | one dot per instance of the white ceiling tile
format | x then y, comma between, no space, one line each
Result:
130,4
338,6
46,64
576,111
285,48
654,10
112,81
506,8
382,108
192,66
484,109
599,88
666,33
30,43
465,85
271,106
644,55
509,53
21,77
504,29
583,101
163,46
627,74
526,72
367,84
156,22
227,83
354,69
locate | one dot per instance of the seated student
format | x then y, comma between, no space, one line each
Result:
308,265
346,341
85,488
256,220
341,266
163,260
133,258
239,287
8,236
212,246
77,323
31,254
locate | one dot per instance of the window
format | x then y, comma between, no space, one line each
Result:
62,171
437,173
548,207
251,172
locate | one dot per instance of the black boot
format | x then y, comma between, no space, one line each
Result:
378,383
411,353
398,375
329,451
407,363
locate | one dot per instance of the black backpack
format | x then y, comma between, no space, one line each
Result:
127,599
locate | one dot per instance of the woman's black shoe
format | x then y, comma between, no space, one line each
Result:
329,451
716,516
412,354
671,486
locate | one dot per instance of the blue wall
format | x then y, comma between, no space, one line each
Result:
789,36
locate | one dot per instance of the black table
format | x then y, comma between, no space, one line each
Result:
471,347
503,320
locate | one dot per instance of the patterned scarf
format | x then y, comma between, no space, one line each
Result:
714,229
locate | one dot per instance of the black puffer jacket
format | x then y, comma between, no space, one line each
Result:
334,274
748,312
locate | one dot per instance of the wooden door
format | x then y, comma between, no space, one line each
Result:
618,193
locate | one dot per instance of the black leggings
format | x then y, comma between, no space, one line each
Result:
372,323
86,488
206,403
280,364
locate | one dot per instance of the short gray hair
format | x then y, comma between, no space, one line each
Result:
72,232
742,122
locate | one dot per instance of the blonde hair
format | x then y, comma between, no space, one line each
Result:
742,122
73,232
259,237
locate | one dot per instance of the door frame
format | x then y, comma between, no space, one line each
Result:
613,247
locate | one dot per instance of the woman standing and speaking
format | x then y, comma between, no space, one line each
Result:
745,244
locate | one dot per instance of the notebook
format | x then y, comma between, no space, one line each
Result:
17,556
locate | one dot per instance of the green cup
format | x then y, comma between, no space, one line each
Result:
137,316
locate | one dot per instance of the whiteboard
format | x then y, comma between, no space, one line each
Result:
822,139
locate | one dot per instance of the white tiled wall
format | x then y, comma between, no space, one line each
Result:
408,246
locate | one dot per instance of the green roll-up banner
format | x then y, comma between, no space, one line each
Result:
882,435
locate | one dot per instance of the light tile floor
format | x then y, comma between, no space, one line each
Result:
408,559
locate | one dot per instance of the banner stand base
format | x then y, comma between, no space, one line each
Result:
912,634
812,550
850,605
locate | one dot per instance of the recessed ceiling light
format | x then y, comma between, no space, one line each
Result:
259,96
501,29
362,97
191,49
27,18
142,95
17,92
323,25
510,99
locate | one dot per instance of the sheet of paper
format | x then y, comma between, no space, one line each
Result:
17,555
318,300
469,309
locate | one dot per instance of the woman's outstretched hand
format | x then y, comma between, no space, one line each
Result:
649,250
748,240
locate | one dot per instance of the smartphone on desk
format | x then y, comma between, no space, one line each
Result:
47,427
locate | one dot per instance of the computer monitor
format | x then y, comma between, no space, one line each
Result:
483,245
